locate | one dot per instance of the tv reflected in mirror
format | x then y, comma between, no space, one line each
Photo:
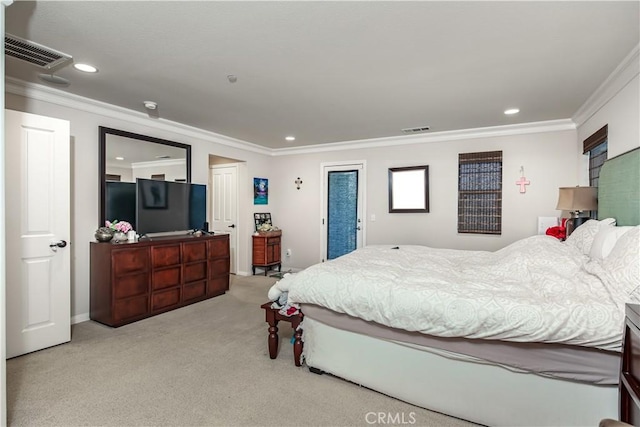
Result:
120,198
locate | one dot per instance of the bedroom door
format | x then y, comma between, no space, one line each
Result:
224,200
38,265
342,223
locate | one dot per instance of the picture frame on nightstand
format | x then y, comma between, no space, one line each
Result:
260,218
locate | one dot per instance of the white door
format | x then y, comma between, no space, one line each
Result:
343,209
224,199
37,232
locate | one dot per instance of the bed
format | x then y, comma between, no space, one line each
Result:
527,335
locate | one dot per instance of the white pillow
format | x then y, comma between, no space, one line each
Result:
623,263
605,240
582,237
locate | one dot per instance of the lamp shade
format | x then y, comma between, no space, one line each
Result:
575,199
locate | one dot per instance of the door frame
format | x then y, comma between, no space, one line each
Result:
3,271
236,233
362,184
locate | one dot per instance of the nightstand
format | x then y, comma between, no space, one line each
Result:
630,367
267,251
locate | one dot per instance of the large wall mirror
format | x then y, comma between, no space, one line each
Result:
125,156
409,189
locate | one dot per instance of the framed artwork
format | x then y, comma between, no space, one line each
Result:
260,191
261,218
154,194
409,189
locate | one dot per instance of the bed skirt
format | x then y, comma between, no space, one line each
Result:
479,392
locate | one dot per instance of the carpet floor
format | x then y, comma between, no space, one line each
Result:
206,364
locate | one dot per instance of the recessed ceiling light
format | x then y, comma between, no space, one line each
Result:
85,68
512,111
290,138
119,158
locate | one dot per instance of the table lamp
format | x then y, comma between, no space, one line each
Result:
576,200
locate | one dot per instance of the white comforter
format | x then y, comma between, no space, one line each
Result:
535,290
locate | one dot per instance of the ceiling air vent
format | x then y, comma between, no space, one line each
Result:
34,53
415,130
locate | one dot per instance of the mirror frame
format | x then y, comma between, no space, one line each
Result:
102,157
398,209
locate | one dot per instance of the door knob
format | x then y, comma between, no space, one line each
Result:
60,244
232,226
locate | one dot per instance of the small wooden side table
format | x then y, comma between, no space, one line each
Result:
272,318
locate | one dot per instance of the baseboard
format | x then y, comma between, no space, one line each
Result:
79,318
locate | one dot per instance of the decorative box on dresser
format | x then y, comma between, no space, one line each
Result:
267,250
132,281
630,367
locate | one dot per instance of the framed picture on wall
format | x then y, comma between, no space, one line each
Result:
260,191
261,218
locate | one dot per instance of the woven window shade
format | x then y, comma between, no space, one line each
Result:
480,192
596,139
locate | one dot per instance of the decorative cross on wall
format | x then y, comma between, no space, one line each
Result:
522,181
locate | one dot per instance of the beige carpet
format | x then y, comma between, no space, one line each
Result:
205,364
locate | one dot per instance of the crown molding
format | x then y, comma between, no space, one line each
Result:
153,163
453,135
65,99
617,80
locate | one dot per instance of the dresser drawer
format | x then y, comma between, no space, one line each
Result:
130,308
196,251
164,256
219,267
166,278
218,285
195,272
164,299
194,291
219,248
130,260
131,285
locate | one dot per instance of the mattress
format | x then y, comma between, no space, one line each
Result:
534,290
575,363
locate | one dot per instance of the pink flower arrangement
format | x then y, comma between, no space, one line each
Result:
121,226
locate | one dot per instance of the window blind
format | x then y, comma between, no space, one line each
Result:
480,192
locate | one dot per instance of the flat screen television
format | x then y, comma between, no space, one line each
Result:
120,198
164,206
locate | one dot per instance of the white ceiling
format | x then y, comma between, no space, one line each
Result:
333,71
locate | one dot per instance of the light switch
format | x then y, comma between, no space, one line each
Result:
373,217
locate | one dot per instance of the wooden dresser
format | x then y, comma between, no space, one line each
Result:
132,281
267,250
630,369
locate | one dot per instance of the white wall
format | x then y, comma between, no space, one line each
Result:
549,160
171,172
622,115
84,175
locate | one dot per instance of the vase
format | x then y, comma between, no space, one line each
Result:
119,236
104,234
